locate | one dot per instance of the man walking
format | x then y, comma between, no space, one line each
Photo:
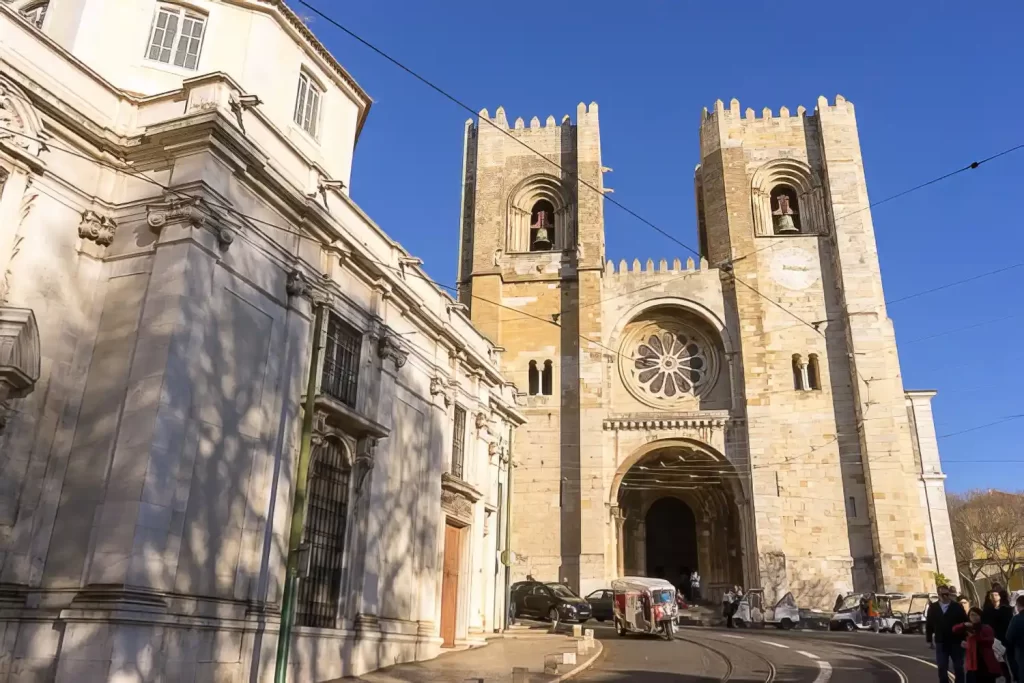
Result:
942,616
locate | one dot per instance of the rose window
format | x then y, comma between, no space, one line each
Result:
665,362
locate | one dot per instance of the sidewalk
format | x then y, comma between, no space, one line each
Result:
493,662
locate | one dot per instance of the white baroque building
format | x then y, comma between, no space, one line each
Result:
174,205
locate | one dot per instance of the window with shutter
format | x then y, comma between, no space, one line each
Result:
307,105
176,37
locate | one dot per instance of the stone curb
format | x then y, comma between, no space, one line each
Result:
581,667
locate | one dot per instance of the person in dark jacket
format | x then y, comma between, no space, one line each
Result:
997,614
1015,642
940,619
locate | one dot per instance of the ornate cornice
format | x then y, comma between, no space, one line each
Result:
717,419
193,211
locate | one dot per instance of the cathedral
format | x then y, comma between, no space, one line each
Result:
739,411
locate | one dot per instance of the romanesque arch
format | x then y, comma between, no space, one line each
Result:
793,174
528,194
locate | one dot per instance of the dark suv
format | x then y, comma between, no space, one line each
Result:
551,601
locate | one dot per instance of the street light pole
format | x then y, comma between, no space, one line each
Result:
298,520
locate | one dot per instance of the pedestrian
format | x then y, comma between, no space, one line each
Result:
980,661
695,587
862,609
998,588
1015,642
964,602
873,613
997,614
942,616
727,600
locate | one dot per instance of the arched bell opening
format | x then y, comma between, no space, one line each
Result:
682,508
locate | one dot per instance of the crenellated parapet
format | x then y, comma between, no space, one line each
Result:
648,269
585,115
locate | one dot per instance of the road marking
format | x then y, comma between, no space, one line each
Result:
729,635
807,654
768,642
898,654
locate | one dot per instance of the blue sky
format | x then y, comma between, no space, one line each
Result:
936,86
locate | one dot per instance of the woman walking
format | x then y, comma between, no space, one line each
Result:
998,614
980,661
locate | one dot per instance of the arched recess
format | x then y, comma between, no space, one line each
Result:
794,174
521,201
715,490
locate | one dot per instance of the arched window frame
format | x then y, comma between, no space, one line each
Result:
326,535
804,182
813,373
521,201
547,378
533,379
798,372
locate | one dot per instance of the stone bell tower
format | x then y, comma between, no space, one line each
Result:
530,264
783,210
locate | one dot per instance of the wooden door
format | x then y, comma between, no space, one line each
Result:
450,584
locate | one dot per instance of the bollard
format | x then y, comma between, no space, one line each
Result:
577,631
551,663
582,646
589,634
569,658
520,674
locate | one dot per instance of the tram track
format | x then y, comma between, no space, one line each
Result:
730,668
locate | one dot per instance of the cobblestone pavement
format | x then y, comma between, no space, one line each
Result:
711,655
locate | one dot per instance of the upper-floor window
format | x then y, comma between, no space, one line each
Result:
540,381
341,361
35,12
307,104
459,441
806,373
176,37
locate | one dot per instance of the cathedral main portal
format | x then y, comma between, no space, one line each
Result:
679,513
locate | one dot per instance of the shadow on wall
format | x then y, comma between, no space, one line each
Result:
220,483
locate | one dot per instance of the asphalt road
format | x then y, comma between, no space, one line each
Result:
711,655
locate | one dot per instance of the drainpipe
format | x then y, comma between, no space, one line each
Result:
298,520
508,534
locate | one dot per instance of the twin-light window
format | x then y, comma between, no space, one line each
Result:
177,37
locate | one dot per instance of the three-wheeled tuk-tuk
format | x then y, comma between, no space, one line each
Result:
644,605
751,611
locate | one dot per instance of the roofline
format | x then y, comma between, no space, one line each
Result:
924,393
317,46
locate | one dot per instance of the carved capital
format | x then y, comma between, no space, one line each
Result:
297,284
389,347
97,228
188,210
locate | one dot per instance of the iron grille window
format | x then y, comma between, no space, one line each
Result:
326,516
341,361
459,442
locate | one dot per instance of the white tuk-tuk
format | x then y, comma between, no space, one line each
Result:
850,616
751,611
644,605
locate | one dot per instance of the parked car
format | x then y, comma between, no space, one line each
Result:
601,604
551,601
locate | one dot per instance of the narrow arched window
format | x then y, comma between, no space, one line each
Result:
547,379
534,379
324,535
813,376
542,226
785,210
798,373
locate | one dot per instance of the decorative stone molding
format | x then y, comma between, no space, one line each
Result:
366,451
97,228
481,422
191,210
456,505
665,362
709,419
439,387
18,115
19,352
297,284
389,347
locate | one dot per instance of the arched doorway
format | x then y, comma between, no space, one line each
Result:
679,510
671,541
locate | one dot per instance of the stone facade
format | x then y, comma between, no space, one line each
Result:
165,239
757,384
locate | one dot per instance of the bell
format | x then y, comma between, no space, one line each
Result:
784,224
541,241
